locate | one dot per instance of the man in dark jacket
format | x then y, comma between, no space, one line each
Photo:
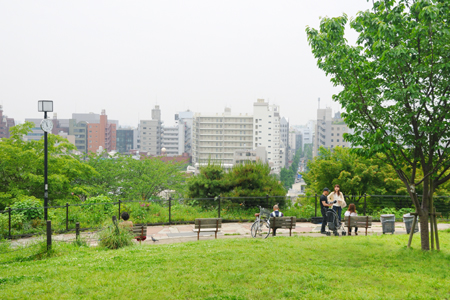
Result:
323,208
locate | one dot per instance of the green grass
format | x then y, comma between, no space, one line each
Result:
373,267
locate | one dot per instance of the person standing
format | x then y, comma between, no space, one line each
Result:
338,199
323,208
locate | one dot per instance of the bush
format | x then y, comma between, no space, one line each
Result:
113,237
28,202
97,208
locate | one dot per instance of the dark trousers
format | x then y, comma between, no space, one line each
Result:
324,221
356,229
338,210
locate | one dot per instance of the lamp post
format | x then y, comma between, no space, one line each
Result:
47,126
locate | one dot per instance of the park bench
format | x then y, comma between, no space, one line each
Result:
140,232
210,224
283,223
358,221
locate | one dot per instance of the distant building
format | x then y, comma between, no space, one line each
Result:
284,134
216,137
150,133
125,140
170,140
101,134
266,120
329,130
244,156
5,124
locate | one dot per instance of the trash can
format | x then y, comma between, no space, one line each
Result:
388,223
408,219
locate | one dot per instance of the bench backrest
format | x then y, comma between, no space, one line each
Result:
208,223
283,222
140,230
359,221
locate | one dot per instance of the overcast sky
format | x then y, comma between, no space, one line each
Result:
127,56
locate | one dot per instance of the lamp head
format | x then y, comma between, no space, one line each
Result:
45,105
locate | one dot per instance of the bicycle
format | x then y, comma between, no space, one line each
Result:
262,223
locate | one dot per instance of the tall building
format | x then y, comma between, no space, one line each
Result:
5,124
329,130
101,134
217,137
185,120
170,140
284,134
150,133
125,140
266,120
80,131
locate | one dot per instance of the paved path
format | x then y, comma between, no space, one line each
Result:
185,233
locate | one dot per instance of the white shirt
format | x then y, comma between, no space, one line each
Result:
333,196
348,213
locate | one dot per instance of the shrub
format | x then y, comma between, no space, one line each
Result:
97,208
28,202
114,237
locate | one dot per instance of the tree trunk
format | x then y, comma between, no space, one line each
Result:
424,232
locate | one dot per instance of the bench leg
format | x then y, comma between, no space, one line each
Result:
198,234
216,235
366,230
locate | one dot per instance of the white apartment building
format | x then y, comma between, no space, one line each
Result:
266,122
150,133
216,137
329,131
169,140
243,156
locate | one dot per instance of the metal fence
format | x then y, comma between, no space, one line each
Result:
184,211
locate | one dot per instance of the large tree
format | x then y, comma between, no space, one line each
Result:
396,87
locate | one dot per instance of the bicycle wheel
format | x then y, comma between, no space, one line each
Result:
260,229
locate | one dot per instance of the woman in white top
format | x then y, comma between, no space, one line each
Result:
337,196
352,213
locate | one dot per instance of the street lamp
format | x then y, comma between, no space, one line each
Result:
47,126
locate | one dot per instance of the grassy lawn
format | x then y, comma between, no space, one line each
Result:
373,267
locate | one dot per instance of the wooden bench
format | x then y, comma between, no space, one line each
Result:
211,224
283,223
140,232
359,221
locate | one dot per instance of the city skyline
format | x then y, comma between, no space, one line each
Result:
125,58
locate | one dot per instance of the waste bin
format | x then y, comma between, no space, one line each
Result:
388,223
408,219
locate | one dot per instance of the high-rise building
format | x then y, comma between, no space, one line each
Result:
216,137
5,124
329,130
170,140
101,134
150,133
185,120
284,134
266,121
125,140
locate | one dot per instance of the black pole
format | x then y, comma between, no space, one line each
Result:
365,204
219,206
77,230
119,210
49,235
170,210
45,172
9,227
67,216
315,207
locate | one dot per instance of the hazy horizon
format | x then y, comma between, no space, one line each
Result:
125,57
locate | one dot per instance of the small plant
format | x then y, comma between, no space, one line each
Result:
80,242
113,237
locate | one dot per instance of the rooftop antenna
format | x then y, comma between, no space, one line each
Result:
319,102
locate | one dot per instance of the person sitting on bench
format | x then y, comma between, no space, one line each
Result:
126,224
276,213
351,211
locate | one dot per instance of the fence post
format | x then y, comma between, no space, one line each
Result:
67,216
77,230
219,205
315,207
170,210
9,216
365,203
49,235
119,210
